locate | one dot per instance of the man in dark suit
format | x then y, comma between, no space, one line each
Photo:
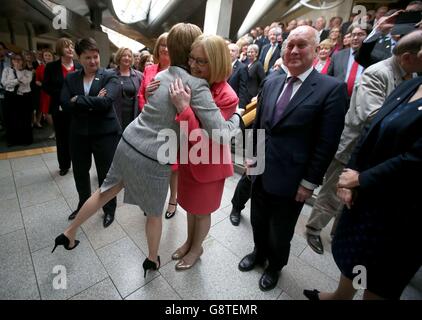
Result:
261,40
271,52
238,80
302,114
343,65
88,95
320,25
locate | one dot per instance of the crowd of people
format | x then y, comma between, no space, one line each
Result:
340,108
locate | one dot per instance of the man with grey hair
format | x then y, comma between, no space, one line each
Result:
302,114
320,24
271,52
376,83
238,80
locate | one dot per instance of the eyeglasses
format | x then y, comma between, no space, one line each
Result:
198,61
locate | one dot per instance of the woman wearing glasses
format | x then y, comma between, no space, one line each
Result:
210,60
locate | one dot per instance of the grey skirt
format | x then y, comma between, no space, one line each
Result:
145,181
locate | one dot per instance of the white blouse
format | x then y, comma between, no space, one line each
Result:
9,80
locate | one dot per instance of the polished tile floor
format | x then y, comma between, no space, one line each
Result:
35,202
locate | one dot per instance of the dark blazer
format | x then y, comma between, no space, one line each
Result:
274,57
390,164
136,78
324,35
238,80
256,74
91,115
374,51
53,82
302,143
338,65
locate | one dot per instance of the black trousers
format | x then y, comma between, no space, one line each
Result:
273,220
242,193
17,118
61,121
102,147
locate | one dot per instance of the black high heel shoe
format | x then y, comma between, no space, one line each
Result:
312,295
169,214
148,264
64,241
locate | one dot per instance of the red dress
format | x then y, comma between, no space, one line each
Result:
200,186
44,97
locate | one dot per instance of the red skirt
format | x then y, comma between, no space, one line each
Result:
196,197
44,102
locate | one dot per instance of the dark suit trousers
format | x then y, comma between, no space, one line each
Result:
273,220
81,150
61,121
242,193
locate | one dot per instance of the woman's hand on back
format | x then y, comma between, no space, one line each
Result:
180,95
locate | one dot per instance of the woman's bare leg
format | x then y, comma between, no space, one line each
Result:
153,227
190,219
344,291
202,227
95,202
173,191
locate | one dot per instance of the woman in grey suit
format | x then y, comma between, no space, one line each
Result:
136,166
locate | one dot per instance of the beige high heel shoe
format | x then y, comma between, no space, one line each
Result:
178,254
182,265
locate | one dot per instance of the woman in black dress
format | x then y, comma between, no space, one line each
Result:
377,240
130,81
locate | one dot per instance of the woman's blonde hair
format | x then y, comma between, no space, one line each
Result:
179,42
156,52
327,43
218,56
241,43
119,54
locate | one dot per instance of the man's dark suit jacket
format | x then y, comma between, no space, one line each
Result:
324,35
391,165
256,75
239,82
338,65
53,82
274,57
91,115
373,52
302,143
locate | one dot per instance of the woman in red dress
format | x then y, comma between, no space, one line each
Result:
201,185
47,56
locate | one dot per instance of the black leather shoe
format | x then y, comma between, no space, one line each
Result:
249,262
235,217
73,214
268,280
108,219
63,172
312,295
315,243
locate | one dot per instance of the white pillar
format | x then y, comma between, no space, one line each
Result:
217,17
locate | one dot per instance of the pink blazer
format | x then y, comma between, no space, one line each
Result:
226,99
149,73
